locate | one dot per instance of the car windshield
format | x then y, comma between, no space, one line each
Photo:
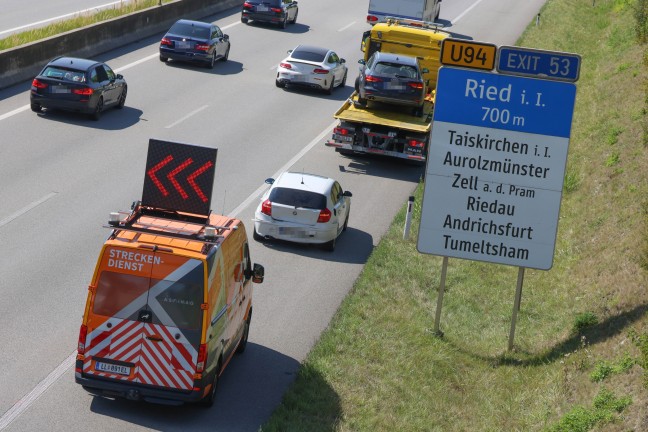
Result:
395,69
298,198
190,30
308,55
64,74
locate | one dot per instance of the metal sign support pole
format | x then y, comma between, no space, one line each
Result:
516,306
437,318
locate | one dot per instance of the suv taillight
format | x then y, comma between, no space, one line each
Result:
371,78
276,10
83,333
266,207
416,85
201,361
324,216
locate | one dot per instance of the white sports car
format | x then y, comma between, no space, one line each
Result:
303,208
314,67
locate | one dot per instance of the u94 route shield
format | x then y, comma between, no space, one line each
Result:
179,177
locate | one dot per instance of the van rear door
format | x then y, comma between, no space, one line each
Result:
146,319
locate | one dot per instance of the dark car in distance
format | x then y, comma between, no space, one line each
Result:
78,85
393,79
195,41
282,12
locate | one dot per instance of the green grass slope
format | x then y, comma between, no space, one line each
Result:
580,361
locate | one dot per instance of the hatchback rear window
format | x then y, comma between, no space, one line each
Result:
308,55
190,30
298,198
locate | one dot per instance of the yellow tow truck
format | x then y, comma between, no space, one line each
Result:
386,129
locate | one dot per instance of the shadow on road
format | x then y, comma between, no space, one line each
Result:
249,391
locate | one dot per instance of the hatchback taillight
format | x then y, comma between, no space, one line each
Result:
202,47
266,207
276,10
320,71
324,216
84,91
38,84
166,42
83,333
371,78
201,361
416,85
285,65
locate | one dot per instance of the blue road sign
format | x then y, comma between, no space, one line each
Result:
506,102
538,63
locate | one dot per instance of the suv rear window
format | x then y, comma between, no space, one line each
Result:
396,69
298,198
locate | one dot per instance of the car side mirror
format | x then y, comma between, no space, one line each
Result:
225,37
362,62
120,76
347,194
289,51
258,273
342,61
269,180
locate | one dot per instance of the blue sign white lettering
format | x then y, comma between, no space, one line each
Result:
538,63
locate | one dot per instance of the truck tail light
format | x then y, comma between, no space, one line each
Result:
201,361
38,84
83,334
324,216
341,131
416,143
266,207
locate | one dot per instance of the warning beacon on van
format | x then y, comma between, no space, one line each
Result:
170,300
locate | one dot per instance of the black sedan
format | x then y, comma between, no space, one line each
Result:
282,12
78,85
195,41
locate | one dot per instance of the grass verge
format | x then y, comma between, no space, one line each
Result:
83,20
580,354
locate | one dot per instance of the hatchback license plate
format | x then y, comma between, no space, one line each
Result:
112,368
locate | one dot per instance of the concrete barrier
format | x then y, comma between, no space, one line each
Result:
25,62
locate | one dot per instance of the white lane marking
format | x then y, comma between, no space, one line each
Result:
31,397
25,209
14,112
346,26
454,21
177,122
291,162
27,400
104,6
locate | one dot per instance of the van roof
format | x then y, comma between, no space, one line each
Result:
183,233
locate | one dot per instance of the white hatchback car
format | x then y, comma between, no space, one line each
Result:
314,67
303,208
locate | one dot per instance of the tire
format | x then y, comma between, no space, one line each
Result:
244,20
244,337
163,59
226,56
280,84
96,115
346,221
212,61
356,86
122,98
36,108
295,19
208,401
256,236
362,101
343,83
284,24
330,246
330,88
417,112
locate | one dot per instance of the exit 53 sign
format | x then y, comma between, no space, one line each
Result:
179,177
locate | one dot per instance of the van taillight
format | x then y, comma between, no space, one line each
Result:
324,216
83,333
266,207
38,84
202,358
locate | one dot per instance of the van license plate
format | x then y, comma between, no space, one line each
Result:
112,368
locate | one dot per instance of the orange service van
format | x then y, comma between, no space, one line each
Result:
170,301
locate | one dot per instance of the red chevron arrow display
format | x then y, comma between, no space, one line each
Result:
172,180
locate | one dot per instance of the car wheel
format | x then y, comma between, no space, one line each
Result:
244,20
280,84
208,401
284,23
356,86
163,59
346,221
295,19
244,337
122,98
226,56
256,236
343,83
36,108
212,61
329,90
362,101
96,115
330,246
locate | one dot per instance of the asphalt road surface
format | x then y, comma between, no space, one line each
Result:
62,174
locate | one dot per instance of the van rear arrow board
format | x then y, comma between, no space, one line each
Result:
179,177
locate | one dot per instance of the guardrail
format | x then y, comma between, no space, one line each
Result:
25,62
